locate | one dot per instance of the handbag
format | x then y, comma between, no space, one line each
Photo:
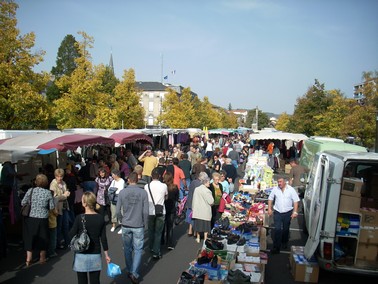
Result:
25,209
80,242
159,209
113,197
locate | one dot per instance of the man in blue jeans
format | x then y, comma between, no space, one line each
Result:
132,209
284,209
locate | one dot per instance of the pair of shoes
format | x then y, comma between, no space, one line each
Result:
170,248
241,242
213,245
112,229
215,237
232,239
120,232
237,276
275,251
133,279
156,256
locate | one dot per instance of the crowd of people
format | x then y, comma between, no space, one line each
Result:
125,190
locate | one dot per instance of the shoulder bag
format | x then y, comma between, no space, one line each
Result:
159,209
25,209
80,242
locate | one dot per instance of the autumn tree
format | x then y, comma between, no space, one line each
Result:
22,105
126,111
177,109
282,122
68,52
329,123
79,106
314,103
206,115
228,119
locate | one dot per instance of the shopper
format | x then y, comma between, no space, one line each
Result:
285,208
132,209
89,262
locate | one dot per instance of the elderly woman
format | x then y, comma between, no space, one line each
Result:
217,190
201,206
35,229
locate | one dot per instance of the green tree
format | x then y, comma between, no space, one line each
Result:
229,106
315,102
282,122
22,105
81,104
109,81
68,52
263,119
228,119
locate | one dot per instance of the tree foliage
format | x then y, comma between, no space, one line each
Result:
68,52
22,105
282,122
314,103
263,119
79,106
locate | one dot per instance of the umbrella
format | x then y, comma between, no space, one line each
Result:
72,141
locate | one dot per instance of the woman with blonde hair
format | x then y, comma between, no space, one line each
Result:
89,262
61,193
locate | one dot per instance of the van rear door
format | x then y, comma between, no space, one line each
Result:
317,207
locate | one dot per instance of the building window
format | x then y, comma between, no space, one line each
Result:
150,120
150,106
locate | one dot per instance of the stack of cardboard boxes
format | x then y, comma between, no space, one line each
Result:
302,269
350,200
368,240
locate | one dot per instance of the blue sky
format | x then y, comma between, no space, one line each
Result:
244,52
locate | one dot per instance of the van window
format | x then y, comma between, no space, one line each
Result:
368,173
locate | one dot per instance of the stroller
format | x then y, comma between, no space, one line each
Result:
181,211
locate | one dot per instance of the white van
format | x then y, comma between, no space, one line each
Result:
343,234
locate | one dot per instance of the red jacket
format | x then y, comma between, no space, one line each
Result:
226,199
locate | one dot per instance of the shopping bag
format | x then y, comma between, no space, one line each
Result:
113,270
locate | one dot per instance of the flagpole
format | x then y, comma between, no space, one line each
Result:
162,56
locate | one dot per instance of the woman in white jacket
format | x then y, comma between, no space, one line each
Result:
201,206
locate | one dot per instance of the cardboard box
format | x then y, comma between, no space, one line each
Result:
369,217
368,235
352,187
349,204
304,271
367,252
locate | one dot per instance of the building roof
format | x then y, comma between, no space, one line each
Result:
150,86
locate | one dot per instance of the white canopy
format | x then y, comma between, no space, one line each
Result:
276,135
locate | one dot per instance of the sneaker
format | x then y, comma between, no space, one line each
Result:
170,248
120,232
156,256
112,229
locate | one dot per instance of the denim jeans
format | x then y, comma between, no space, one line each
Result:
155,229
63,226
281,228
133,240
182,191
168,229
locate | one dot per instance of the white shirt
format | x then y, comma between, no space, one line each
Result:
284,201
120,184
159,190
